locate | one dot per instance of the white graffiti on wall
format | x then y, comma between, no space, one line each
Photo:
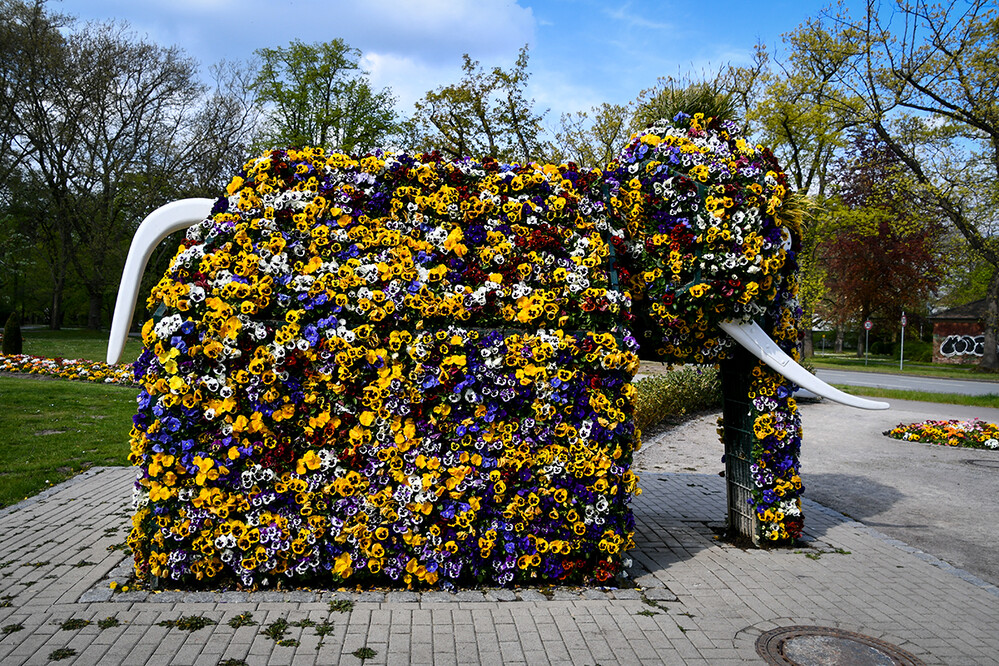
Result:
962,345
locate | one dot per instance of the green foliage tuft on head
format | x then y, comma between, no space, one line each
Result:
670,97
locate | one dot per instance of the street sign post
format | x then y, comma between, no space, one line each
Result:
901,349
868,325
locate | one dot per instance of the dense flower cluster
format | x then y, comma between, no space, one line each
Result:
703,208
395,368
399,368
975,433
776,445
700,204
68,368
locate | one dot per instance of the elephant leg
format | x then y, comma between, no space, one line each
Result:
762,437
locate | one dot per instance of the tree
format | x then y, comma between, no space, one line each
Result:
318,95
103,128
884,255
925,79
779,102
593,143
485,114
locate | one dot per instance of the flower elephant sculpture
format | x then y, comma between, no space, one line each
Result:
402,368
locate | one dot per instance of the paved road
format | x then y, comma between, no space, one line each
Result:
698,600
907,382
939,499
936,498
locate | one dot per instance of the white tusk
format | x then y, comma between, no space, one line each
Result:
760,345
158,225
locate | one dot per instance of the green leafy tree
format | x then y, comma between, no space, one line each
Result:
102,128
780,103
885,255
592,142
925,79
487,113
318,95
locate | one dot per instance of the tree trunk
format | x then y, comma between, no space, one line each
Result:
838,345
807,348
55,316
94,311
990,359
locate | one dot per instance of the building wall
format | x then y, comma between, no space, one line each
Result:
957,342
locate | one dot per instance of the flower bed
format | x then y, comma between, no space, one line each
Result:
68,368
974,434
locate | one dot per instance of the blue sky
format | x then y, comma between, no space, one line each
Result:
583,52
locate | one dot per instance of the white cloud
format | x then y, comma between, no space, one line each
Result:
408,78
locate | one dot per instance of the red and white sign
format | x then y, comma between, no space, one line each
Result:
868,325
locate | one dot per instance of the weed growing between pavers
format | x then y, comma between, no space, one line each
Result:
816,554
61,653
6,601
108,622
11,628
655,604
341,605
242,620
233,662
365,652
188,622
73,623
276,629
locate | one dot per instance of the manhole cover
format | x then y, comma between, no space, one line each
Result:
825,646
991,464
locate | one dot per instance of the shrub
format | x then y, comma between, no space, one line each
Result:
665,398
12,342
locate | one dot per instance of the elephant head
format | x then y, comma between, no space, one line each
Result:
400,366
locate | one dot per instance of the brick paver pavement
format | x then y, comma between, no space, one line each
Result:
698,600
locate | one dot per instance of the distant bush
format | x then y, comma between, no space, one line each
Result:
916,351
12,342
666,398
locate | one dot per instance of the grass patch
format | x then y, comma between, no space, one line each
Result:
889,366
75,343
989,400
51,430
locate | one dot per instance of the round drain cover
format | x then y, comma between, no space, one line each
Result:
825,646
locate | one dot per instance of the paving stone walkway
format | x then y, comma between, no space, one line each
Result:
697,600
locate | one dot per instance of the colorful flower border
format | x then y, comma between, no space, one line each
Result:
67,368
975,434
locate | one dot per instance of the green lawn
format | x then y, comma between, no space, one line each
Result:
886,365
53,429
75,343
990,400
